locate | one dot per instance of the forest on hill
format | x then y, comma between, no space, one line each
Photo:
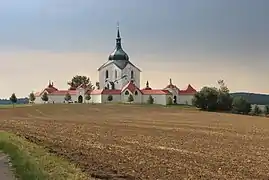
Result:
20,101
253,98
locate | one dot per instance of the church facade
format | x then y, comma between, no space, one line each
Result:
119,79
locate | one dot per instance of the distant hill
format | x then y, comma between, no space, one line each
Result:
20,101
253,98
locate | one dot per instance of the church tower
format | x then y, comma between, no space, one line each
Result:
118,70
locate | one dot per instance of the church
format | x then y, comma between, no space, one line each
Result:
119,81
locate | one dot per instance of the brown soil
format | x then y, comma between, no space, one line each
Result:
144,142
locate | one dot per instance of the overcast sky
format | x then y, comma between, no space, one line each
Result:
193,42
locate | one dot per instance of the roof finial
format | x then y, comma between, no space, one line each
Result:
147,84
170,81
118,29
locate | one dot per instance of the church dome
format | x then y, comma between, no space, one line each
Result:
118,53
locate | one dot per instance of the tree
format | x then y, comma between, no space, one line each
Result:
266,110
257,111
130,98
67,97
13,99
240,105
206,99
169,101
109,97
150,100
88,97
45,97
32,97
77,80
225,100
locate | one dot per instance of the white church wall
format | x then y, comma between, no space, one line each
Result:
111,68
127,71
38,100
96,98
115,98
158,99
185,99
137,97
124,96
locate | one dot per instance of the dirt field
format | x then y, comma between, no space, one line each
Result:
141,142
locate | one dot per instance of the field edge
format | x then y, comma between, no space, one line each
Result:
31,161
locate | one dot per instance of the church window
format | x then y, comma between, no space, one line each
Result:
126,92
106,74
132,74
136,93
116,74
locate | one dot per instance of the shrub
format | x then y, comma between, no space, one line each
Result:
110,98
150,100
169,101
241,106
130,98
257,111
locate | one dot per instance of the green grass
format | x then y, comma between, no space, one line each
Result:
33,162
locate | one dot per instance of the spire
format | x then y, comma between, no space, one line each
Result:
170,81
147,84
118,39
118,30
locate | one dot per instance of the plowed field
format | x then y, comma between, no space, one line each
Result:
147,142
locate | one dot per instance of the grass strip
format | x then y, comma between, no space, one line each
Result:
32,162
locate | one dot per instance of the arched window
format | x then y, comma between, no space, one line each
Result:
116,74
132,74
136,93
107,86
106,74
126,92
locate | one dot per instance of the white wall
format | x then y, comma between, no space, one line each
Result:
158,99
185,99
111,76
127,71
95,98
116,98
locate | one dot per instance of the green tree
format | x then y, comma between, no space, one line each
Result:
77,80
150,100
169,101
45,97
32,97
88,97
13,99
225,100
67,97
109,97
206,99
130,98
240,105
266,110
257,111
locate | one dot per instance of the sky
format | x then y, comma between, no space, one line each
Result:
193,42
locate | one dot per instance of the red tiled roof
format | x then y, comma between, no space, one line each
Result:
171,86
105,91
131,87
64,92
189,91
155,92
147,88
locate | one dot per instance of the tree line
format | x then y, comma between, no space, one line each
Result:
220,100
